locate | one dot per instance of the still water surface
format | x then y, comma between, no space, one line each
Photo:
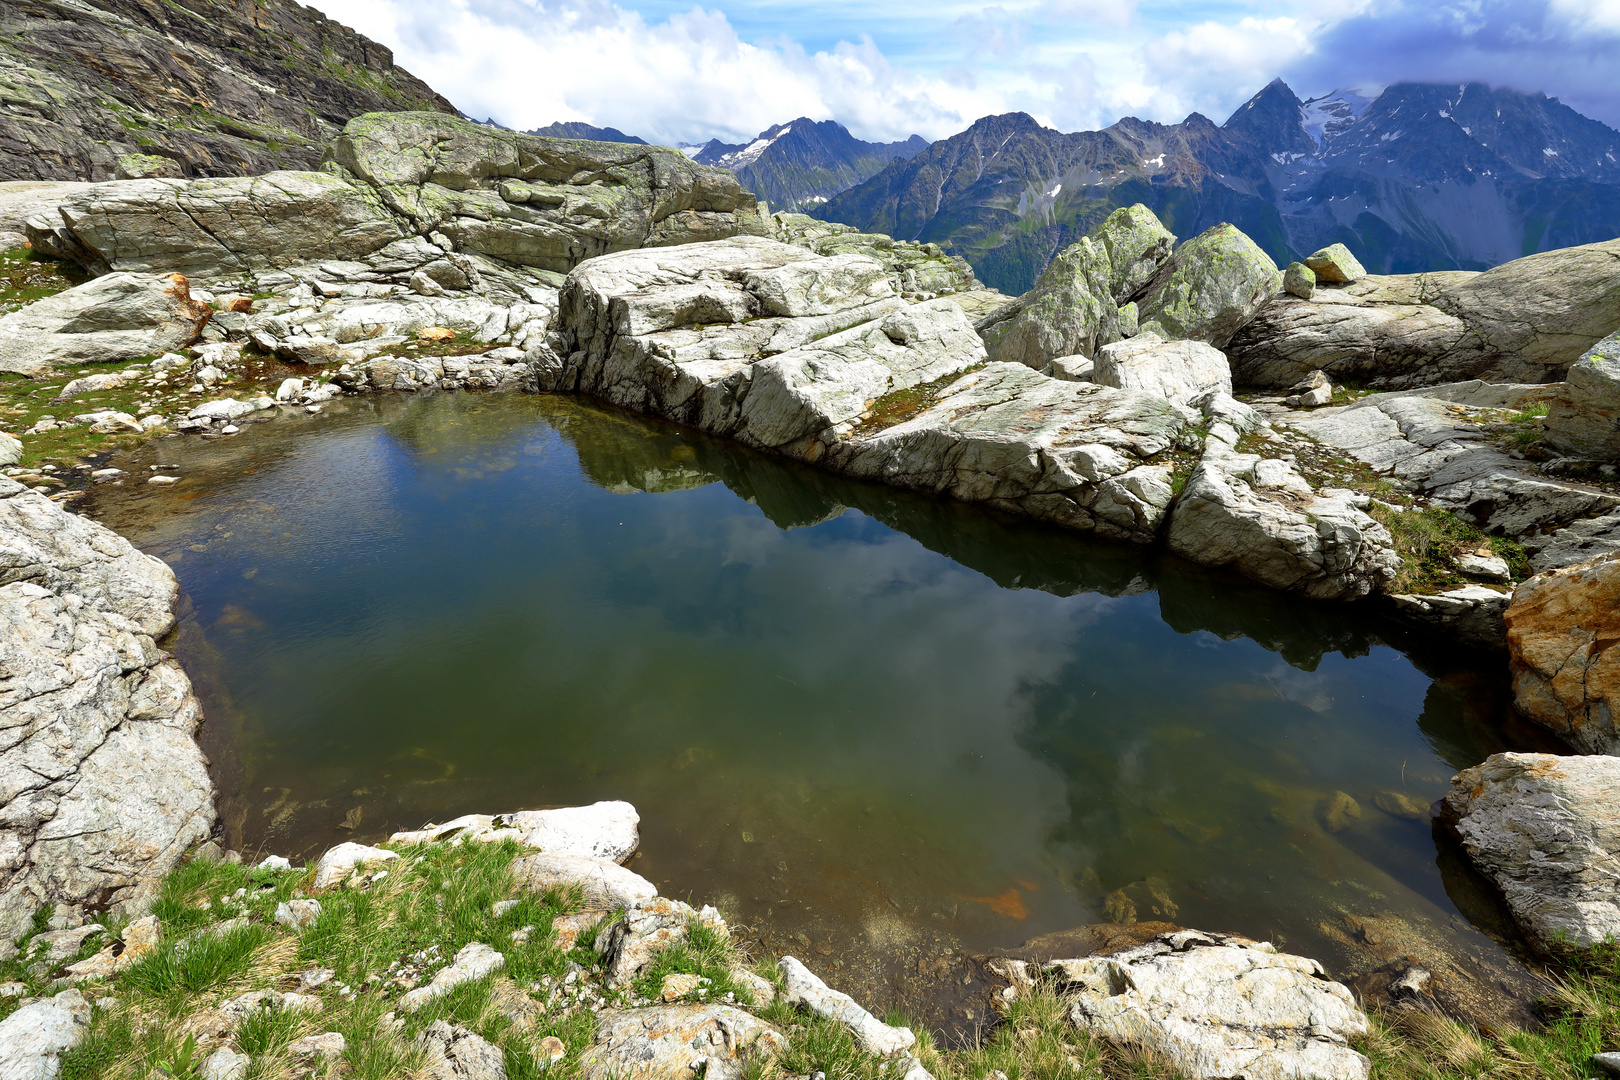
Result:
853,716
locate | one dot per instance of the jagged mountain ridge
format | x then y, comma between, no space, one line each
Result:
1424,177
574,129
220,87
801,164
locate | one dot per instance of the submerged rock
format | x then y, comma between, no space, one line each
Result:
1562,626
1544,829
1218,1006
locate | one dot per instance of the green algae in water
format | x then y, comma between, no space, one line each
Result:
855,716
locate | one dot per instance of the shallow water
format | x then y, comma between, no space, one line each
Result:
854,716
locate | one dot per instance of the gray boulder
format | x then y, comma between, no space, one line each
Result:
1260,517
1543,310
1543,828
1216,1006
663,1042
1209,288
1585,418
454,1053
1182,372
606,885
752,339
101,787
1071,310
216,228
649,927
113,318
917,271
34,1038
1299,280
1077,454
1334,265
802,987
1137,244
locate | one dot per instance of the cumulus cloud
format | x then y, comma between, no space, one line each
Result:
1073,64
689,77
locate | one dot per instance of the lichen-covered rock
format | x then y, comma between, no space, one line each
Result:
113,318
1137,244
1071,310
146,167
1585,418
1217,1006
1260,517
1178,371
1077,454
1209,288
666,1042
917,271
1544,829
454,1053
1563,627
1299,280
101,787
802,987
535,201
217,227
1335,265
649,927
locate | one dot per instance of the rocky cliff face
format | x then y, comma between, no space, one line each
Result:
1424,178
801,164
205,87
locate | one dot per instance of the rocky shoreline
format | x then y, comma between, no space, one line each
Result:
1102,401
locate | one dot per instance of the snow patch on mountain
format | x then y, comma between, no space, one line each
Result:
1329,115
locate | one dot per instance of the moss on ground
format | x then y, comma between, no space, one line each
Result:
25,278
898,406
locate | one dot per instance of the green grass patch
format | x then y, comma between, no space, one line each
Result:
25,277
1430,540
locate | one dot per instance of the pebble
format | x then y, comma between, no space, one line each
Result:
163,480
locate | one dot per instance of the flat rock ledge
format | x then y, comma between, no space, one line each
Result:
1546,830
102,788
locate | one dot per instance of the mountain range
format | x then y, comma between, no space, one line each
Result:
573,129
1421,177
801,164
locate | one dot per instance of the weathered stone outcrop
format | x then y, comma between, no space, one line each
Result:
106,319
1218,1006
1260,517
213,87
1544,829
101,786
1137,244
802,987
1182,372
1524,321
1209,288
1584,418
1563,633
917,271
410,187
1078,454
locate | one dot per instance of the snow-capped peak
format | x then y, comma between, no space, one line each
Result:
1330,114
750,153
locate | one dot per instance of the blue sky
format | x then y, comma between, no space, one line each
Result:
673,72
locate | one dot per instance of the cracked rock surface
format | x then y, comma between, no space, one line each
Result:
101,786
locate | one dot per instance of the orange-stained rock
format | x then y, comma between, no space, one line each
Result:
1563,627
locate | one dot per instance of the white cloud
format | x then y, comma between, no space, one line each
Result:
687,78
